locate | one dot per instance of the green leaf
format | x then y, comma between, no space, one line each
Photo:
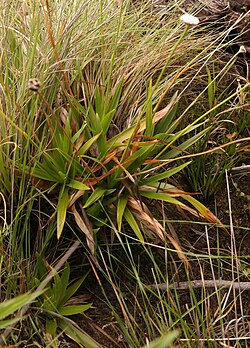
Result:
77,185
95,196
204,211
45,173
48,304
65,278
165,174
112,107
51,326
149,131
60,286
99,105
56,290
73,288
106,120
88,144
72,310
70,161
76,334
94,121
79,132
121,205
8,322
164,341
62,206
10,306
211,88
54,160
128,133
160,196
186,144
41,270
76,106
117,95
138,157
133,224
65,144
163,124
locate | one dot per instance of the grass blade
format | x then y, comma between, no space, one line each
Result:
164,341
72,310
133,224
62,207
121,205
10,306
77,335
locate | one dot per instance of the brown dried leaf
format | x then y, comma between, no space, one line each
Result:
63,114
152,227
87,231
75,197
179,250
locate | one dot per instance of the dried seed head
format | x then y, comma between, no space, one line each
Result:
189,19
242,49
34,85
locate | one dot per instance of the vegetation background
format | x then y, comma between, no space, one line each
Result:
124,170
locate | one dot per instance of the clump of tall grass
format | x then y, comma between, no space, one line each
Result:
90,118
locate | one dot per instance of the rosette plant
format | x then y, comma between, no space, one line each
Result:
101,178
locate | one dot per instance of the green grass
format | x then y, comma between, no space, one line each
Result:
127,100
